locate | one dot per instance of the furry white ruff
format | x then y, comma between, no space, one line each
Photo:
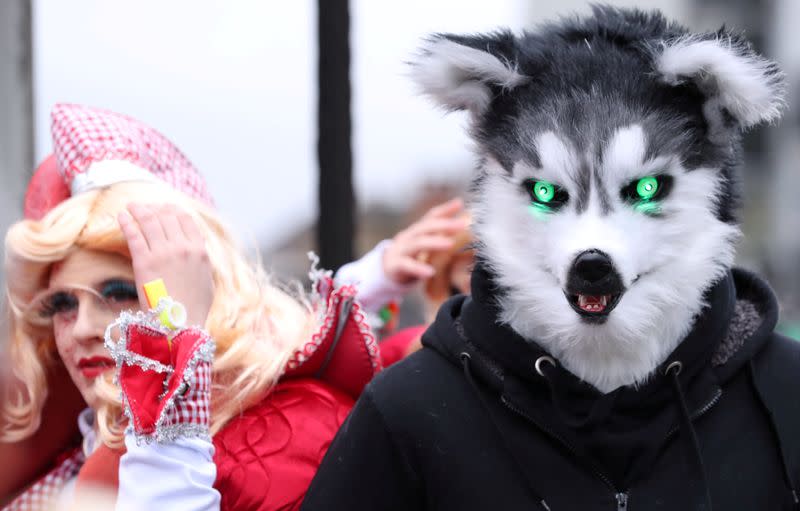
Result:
666,266
456,76
748,85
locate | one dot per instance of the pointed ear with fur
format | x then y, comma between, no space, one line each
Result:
735,78
464,72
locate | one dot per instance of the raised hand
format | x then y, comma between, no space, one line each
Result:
165,242
405,259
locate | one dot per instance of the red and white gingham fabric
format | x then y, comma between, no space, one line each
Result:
85,136
43,494
165,379
194,406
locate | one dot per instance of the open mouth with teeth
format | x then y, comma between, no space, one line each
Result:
593,287
595,307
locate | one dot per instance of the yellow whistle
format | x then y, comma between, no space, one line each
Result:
174,314
155,290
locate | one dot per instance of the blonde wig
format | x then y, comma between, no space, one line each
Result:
255,324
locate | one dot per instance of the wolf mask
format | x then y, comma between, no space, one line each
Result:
605,203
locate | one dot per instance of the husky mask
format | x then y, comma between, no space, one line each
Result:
605,203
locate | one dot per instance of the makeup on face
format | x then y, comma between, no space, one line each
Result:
62,303
88,290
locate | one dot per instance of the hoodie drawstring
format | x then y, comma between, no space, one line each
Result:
787,476
687,429
465,358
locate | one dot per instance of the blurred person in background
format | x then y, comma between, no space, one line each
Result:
244,428
434,251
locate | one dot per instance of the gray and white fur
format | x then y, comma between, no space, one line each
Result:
593,104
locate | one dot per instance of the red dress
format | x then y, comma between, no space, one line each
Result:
267,457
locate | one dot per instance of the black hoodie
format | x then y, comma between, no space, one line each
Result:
481,419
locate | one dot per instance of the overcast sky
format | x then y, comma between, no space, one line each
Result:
232,83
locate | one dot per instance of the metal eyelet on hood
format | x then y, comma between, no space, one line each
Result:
676,367
540,360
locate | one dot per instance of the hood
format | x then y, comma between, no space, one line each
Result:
621,431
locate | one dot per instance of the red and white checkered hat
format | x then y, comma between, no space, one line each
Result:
93,148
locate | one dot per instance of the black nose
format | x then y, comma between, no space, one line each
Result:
592,266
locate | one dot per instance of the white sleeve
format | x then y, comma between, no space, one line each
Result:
175,475
374,288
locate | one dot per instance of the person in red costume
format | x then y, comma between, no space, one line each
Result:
241,400
434,251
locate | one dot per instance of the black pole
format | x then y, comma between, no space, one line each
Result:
336,225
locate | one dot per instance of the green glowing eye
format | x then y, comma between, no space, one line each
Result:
647,187
647,194
544,191
545,198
